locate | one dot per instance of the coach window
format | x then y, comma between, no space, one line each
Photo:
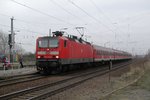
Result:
65,43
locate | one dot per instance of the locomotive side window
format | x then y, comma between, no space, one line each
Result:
65,43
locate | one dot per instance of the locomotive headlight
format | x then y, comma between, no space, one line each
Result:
57,56
41,52
39,57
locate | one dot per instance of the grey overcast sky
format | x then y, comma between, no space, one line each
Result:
121,24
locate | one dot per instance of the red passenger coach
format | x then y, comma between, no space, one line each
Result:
54,52
108,54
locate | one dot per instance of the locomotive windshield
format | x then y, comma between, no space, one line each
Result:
48,42
53,43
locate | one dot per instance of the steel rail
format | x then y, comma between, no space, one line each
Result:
42,95
52,92
12,81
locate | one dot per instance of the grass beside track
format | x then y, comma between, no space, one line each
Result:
144,82
140,90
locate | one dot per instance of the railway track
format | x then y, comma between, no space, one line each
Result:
49,89
19,79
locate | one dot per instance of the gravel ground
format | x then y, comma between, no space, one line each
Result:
25,85
16,72
49,79
92,89
98,87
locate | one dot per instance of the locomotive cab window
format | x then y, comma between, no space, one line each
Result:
43,43
48,42
53,42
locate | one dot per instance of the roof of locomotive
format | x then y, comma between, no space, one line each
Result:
74,38
70,37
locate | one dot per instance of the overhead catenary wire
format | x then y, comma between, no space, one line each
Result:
90,15
135,18
25,43
60,19
67,11
99,10
4,15
24,21
43,13
107,18
21,29
4,25
28,22
17,42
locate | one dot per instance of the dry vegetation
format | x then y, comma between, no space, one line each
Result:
138,85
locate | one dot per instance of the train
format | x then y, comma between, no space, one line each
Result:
58,52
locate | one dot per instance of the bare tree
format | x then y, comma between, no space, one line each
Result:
19,49
4,47
3,43
148,54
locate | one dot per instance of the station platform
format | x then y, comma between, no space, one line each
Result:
16,72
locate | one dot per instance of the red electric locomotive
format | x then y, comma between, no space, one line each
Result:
56,52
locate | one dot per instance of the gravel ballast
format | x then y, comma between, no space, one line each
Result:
98,87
